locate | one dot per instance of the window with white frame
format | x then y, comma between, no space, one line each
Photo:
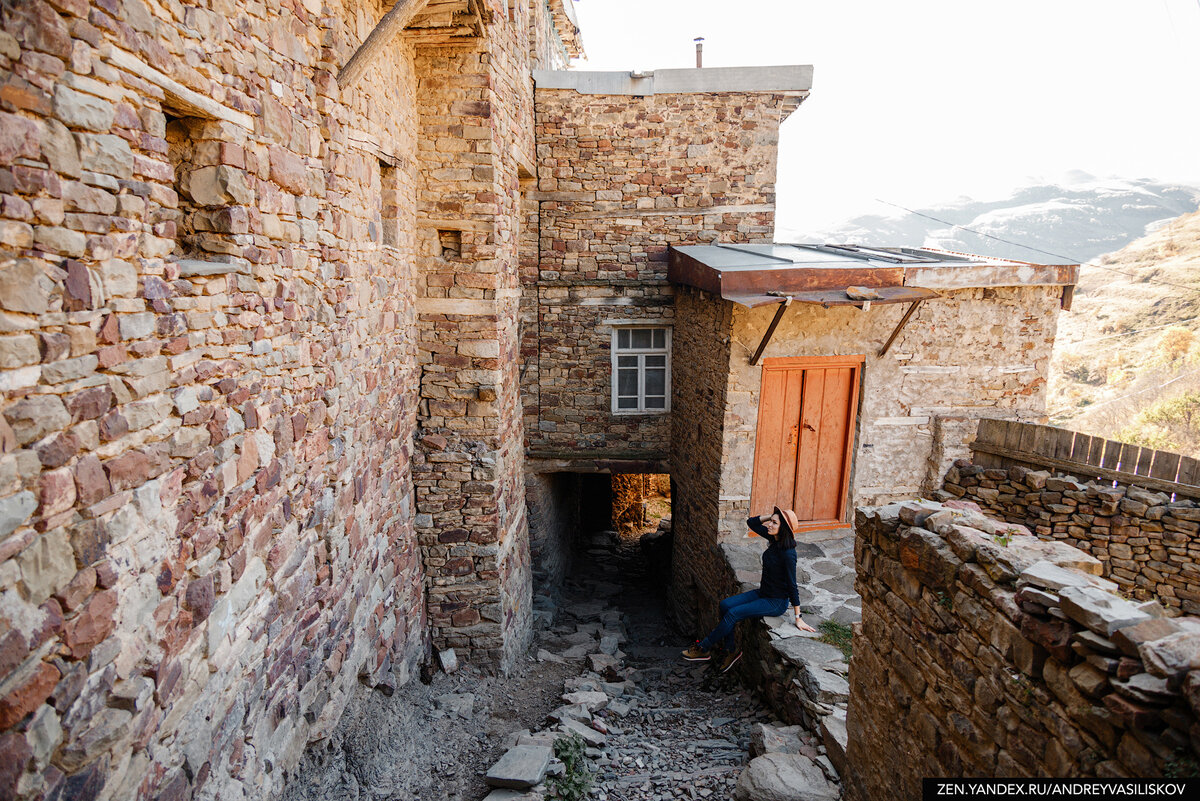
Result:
641,369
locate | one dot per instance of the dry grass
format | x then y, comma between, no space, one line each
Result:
1130,343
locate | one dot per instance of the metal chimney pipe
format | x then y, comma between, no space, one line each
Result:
699,52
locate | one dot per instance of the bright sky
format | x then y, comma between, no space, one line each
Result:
924,101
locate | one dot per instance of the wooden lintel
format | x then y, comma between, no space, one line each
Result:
899,326
381,36
770,330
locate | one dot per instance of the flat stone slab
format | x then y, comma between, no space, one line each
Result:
589,735
1049,576
1100,611
804,651
521,767
593,700
824,686
833,733
784,777
768,739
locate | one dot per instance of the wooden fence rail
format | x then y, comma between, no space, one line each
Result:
1005,441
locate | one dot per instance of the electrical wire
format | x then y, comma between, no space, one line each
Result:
1070,259
1130,333
1089,407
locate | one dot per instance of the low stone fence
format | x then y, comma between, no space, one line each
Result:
987,652
1146,543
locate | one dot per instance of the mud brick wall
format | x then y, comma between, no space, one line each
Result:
208,375
621,178
1146,543
700,366
985,651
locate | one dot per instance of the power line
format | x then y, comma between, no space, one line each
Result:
1128,333
1130,394
1070,259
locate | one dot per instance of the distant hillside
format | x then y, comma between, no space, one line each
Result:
1127,358
1082,220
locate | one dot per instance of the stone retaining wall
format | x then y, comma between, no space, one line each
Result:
1146,543
988,652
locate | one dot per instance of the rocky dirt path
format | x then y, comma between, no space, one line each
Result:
606,665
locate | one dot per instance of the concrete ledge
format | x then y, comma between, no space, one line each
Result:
795,78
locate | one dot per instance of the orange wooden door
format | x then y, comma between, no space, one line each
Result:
805,437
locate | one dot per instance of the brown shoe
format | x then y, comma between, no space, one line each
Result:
730,660
697,654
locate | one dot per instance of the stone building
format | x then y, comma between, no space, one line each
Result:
261,432
316,319
821,378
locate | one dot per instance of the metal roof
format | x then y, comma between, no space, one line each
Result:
755,275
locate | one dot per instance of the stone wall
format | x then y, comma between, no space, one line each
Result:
1146,543
987,652
208,391
620,178
967,354
700,365
553,523
217,268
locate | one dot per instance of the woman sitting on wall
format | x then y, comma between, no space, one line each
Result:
776,588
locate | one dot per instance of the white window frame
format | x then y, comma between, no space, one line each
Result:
641,353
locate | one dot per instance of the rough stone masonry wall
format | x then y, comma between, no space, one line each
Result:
967,354
988,652
1147,544
476,128
700,365
205,528
621,178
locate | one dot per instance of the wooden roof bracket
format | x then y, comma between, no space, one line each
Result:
900,325
381,35
787,301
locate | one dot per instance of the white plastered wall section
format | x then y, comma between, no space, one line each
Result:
969,354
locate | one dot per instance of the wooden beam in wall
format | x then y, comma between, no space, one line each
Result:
380,37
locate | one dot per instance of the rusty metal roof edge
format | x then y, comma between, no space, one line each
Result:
828,297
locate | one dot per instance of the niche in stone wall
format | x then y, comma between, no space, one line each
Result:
389,203
449,244
212,191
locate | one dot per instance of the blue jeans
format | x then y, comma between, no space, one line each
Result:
740,607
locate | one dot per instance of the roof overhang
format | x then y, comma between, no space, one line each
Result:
756,275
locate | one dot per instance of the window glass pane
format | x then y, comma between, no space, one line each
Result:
627,361
660,337
656,382
656,403
627,382
656,361
641,337
626,403
622,339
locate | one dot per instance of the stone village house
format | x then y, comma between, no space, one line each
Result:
303,354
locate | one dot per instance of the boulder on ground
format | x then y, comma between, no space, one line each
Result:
784,777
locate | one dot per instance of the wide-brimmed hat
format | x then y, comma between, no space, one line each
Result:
788,519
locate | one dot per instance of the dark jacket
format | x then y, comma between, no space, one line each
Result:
779,567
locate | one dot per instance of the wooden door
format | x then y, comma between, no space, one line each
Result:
805,438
